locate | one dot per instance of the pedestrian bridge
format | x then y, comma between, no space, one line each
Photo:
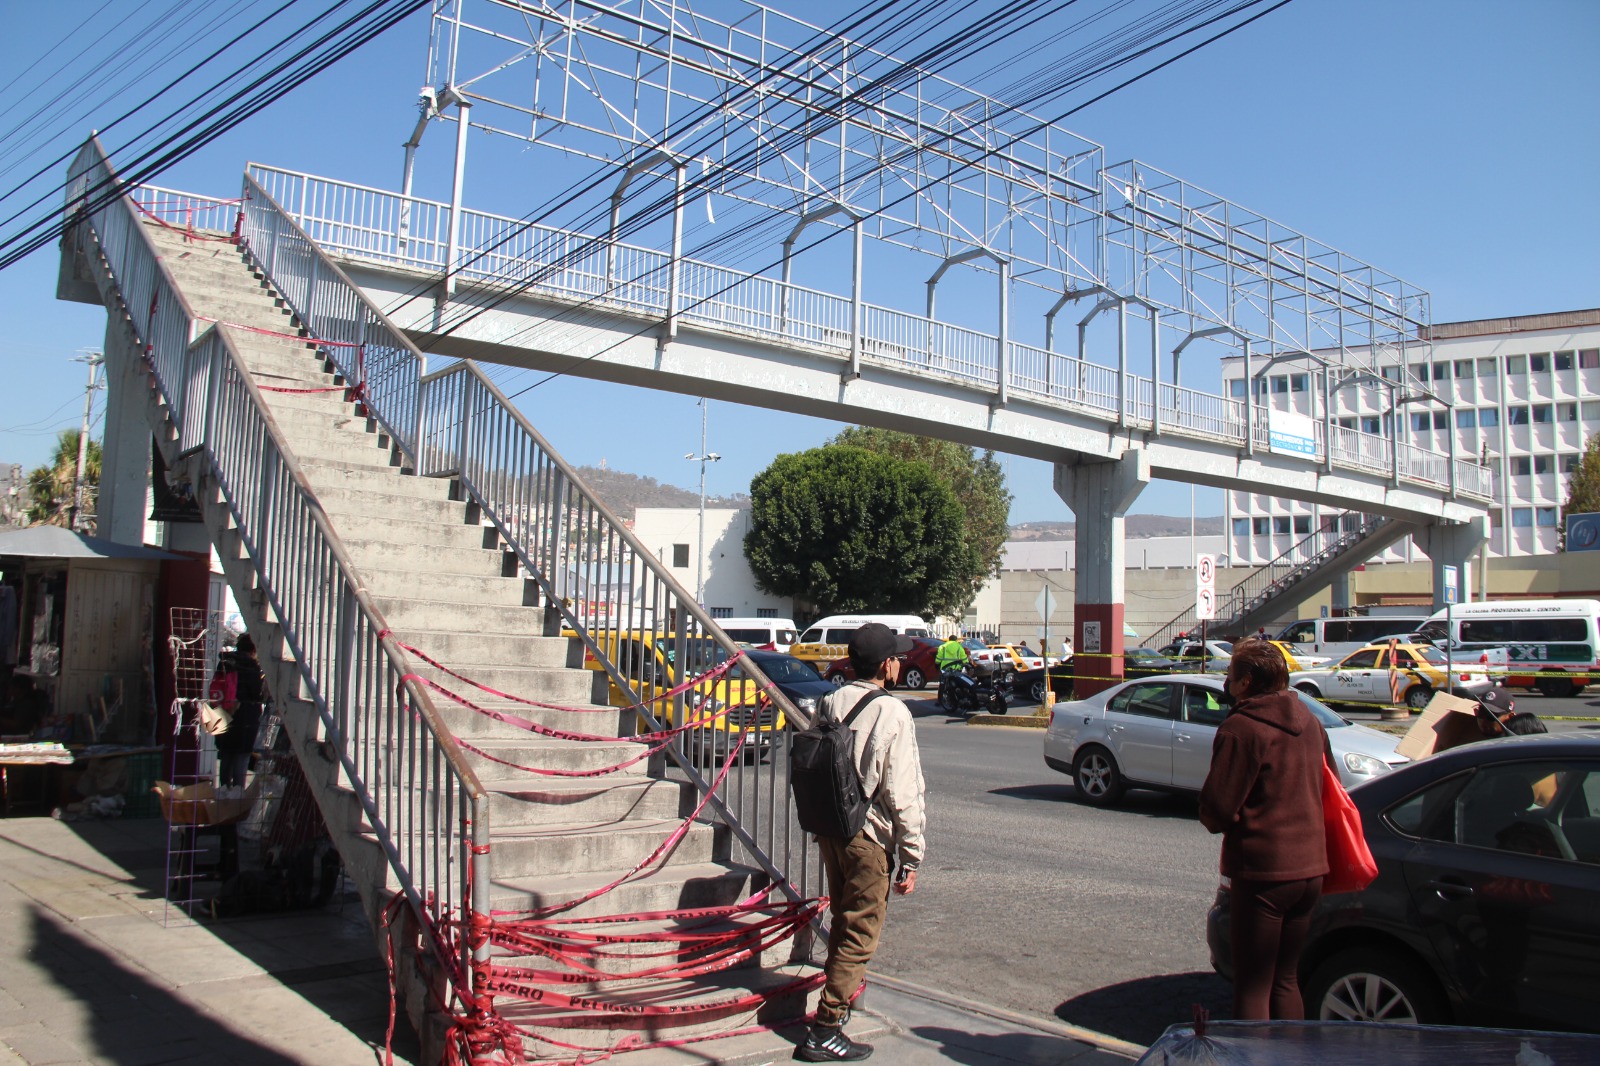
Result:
563,302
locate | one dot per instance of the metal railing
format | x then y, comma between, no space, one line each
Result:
347,219
637,623
425,806
1281,573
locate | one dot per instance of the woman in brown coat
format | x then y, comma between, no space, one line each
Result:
1264,795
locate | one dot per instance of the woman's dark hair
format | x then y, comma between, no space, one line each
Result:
245,643
1260,665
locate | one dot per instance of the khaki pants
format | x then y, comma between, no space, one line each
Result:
858,890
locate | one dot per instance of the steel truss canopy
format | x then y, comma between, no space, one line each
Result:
773,112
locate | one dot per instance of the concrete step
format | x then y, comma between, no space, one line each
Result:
381,554
568,688
328,474
405,614
619,958
469,648
587,717
516,754
615,847
580,1027
677,887
453,588
529,800
355,525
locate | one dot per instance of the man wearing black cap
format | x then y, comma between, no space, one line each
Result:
858,869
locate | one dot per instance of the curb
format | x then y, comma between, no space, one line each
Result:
1103,1041
1015,721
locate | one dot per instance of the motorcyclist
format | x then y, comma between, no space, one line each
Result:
952,655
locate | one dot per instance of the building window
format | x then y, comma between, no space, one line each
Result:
1441,371
680,555
1280,524
1516,416
1236,388
1391,373
1589,359
1280,383
1299,382
1563,360
1539,363
1260,525
1330,523
1241,527
1419,371
1463,369
1547,517
1370,424
766,612
1521,517
1347,423
1489,417
1566,412
1569,463
1466,418
1591,410
1516,364
722,612
1302,523
1542,464
1487,368
1543,413
1521,466
1420,421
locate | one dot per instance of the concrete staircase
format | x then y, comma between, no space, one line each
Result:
447,586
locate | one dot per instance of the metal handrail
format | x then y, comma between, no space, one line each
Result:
422,800
571,265
530,492
625,605
1275,575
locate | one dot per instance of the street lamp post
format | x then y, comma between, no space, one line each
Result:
700,549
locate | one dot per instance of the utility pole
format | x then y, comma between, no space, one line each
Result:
94,358
700,549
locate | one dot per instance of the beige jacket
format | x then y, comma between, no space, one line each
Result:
890,768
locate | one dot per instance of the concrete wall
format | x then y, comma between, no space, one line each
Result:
729,584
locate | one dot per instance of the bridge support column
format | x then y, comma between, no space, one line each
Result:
125,448
1099,494
1452,544
1339,589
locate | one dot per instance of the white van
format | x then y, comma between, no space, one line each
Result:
825,641
1554,645
1338,637
776,633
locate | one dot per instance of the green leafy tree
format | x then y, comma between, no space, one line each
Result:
976,480
50,487
1583,487
845,529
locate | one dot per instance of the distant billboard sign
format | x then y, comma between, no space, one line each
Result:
1583,532
1291,433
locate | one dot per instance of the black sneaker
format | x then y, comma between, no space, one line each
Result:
828,1043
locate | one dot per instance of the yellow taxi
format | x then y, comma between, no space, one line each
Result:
650,662
1393,673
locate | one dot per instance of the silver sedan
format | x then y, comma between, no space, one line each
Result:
1156,732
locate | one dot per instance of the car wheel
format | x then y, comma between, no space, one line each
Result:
837,677
1556,687
913,678
1309,689
1036,691
1417,696
947,698
1374,984
1095,773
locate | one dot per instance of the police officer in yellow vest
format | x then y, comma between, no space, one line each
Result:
952,655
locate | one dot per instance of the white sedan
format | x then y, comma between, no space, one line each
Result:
1156,733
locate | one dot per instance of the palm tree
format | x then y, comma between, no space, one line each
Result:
50,487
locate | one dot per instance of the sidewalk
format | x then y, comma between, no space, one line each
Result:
95,968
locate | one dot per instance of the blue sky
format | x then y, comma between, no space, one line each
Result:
1450,142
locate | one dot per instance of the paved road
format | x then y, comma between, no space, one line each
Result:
1032,900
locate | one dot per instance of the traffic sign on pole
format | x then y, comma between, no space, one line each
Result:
1205,587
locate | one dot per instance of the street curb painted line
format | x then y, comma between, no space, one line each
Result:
1018,721
1112,1044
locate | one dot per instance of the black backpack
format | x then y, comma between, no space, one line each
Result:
824,778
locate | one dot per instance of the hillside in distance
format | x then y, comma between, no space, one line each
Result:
625,493
1138,525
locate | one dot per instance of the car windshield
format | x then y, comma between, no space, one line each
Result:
1320,711
1224,646
1429,654
785,669
1140,653
700,653
1024,651
974,645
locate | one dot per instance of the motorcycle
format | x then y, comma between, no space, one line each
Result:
978,687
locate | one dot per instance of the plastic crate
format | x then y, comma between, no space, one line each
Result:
142,801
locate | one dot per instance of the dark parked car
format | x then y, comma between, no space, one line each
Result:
1136,663
793,677
916,666
1486,909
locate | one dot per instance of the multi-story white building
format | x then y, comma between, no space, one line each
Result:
1522,394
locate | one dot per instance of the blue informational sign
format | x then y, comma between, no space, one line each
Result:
1452,585
1583,532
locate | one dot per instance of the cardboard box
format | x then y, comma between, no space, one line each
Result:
1446,722
200,805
